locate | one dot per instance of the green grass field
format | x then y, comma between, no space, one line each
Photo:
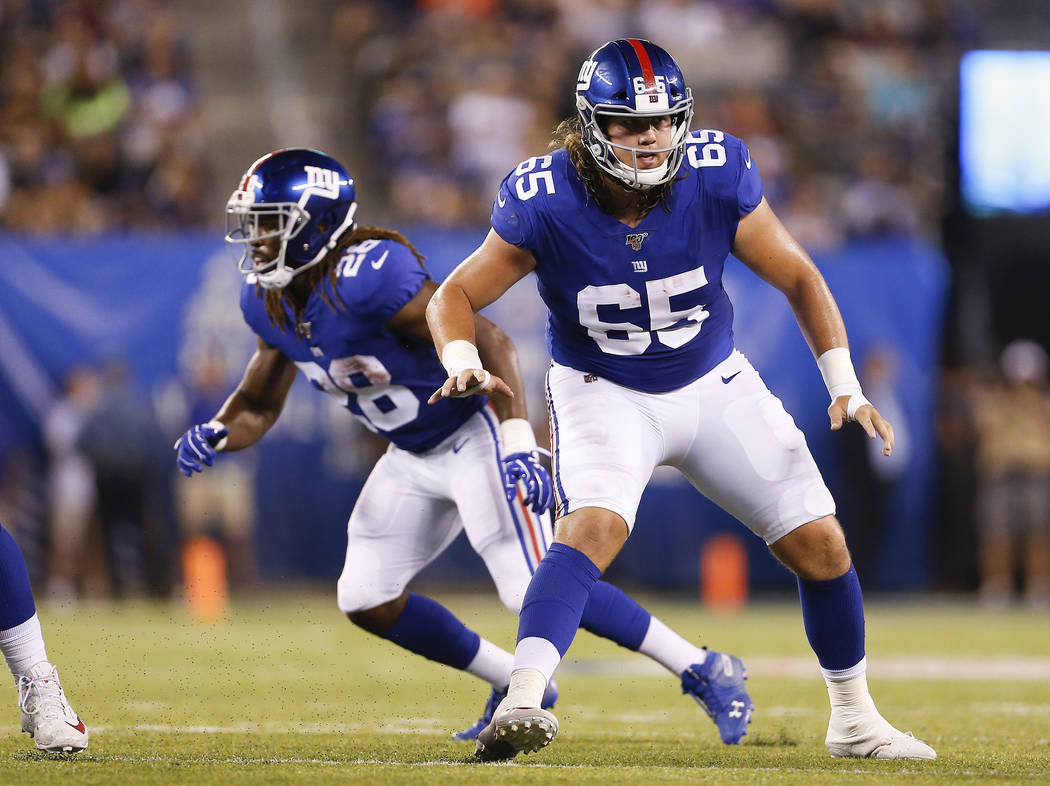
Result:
289,692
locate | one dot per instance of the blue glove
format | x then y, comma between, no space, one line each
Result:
539,488
198,446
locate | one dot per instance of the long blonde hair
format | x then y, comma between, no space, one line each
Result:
328,268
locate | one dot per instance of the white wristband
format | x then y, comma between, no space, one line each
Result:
518,436
460,355
837,369
217,426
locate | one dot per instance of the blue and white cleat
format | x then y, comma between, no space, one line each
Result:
717,684
549,697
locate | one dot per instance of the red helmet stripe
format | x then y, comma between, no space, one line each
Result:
251,170
644,62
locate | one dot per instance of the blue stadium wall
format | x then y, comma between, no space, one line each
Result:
149,298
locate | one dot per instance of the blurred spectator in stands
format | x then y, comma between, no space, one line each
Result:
878,205
955,528
124,444
219,503
489,101
71,482
1013,459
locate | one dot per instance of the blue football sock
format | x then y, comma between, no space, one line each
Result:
16,595
613,615
427,628
557,595
833,614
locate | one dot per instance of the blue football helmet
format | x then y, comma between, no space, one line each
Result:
303,197
634,78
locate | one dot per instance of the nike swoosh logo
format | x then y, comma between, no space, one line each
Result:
500,199
747,161
79,727
459,447
727,380
379,262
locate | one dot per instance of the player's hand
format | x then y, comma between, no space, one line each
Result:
874,424
199,446
539,488
470,382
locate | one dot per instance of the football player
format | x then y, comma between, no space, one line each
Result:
46,714
627,225
346,305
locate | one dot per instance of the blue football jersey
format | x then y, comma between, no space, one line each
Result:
642,306
351,354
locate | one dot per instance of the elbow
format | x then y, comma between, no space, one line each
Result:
438,306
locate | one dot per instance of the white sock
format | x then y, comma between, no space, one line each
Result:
669,649
23,646
492,664
535,660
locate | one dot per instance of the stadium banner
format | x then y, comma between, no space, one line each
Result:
156,301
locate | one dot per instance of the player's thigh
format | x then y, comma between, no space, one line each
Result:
604,443
398,525
508,536
750,458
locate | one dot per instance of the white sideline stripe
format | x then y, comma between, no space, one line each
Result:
900,667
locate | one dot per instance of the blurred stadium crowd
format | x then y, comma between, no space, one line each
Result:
847,106
839,100
97,118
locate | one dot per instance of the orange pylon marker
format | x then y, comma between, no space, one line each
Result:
723,573
204,574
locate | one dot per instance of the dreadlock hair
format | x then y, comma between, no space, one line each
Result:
569,134
328,269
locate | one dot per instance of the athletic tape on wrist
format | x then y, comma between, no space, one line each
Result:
856,401
486,377
518,436
836,368
460,355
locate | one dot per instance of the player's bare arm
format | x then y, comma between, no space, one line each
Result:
482,277
411,323
257,402
763,243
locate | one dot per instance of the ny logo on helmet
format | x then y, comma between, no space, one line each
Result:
635,241
323,182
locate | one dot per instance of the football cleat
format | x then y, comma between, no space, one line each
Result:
717,684
878,740
549,697
46,714
515,730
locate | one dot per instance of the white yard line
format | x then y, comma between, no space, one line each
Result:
902,667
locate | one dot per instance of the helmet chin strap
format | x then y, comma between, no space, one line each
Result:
282,276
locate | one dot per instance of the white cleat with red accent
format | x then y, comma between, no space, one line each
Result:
46,714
